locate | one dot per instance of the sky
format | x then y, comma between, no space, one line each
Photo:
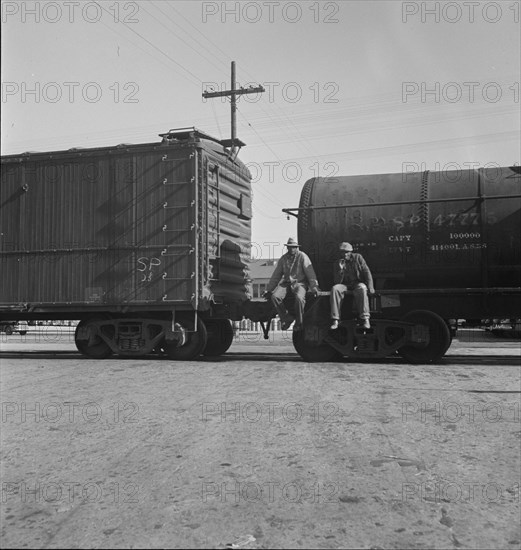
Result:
352,87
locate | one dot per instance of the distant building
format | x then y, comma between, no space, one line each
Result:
261,271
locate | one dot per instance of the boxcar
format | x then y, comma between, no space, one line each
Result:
146,245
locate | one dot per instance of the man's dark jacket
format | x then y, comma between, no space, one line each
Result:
362,272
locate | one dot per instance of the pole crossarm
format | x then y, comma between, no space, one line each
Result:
241,91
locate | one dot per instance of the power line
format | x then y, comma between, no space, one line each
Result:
178,26
198,81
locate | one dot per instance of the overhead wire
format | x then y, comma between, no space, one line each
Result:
262,190
201,45
157,48
168,29
446,143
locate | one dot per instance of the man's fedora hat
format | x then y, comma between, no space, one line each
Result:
291,242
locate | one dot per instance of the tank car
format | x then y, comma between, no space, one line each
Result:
146,245
440,246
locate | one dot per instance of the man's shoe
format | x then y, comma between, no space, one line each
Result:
365,324
334,324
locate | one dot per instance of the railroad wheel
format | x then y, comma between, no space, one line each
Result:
313,353
9,330
89,342
438,341
193,342
220,336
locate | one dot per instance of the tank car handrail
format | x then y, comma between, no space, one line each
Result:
462,290
480,198
391,291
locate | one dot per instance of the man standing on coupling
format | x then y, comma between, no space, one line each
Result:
294,271
351,273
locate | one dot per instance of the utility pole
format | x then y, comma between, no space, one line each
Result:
234,142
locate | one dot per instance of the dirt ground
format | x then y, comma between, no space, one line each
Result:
259,449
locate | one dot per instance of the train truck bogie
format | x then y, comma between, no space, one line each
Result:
420,337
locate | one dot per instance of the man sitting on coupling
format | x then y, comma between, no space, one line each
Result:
351,273
294,271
